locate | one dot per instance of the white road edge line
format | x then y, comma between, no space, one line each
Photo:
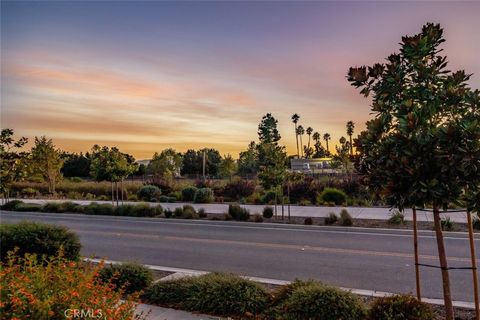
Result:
361,292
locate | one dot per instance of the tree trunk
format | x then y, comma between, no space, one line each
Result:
116,190
121,187
113,195
415,247
351,146
474,265
296,138
301,147
443,264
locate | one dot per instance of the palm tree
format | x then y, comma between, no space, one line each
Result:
309,132
350,127
300,133
295,119
316,136
327,137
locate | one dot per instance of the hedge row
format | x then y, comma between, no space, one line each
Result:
136,210
232,296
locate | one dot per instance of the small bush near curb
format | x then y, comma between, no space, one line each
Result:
346,219
149,193
269,196
202,213
257,218
399,307
476,222
336,196
168,213
164,199
396,218
189,212
54,207
26,207
267,212
11,205
238,213
331,219
188,193
38,238
104,209
178,212
214,293
313,300
308,221
203,195
447,224
129,277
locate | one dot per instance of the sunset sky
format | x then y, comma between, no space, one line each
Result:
145,76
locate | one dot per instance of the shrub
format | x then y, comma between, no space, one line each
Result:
188,193
257,218
178,212
29,192
399,307
189,212
269,196
203,195
308,221
11,205
72,207
447,224
163,199
333,195
149,193
215,293
76,179
104,209
26,207
176,195
172,199
267,212
345,218
313,300
54,207
168,213
38,238
238,213
145,210
331,219
103,198
129,277
304,202
397,217
35,289
239,188
476,222
202,213
74,195
132,197
227,217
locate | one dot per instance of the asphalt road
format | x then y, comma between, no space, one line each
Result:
357,258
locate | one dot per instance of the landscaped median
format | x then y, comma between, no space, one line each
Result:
43,277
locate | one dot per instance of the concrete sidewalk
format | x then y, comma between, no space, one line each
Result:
159,313
378,213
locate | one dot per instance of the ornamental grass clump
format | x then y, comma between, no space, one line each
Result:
215,293
399,307
315,301
34,288
130,277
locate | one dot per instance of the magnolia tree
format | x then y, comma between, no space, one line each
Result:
422,149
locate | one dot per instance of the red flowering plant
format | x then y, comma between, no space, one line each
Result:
56,288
